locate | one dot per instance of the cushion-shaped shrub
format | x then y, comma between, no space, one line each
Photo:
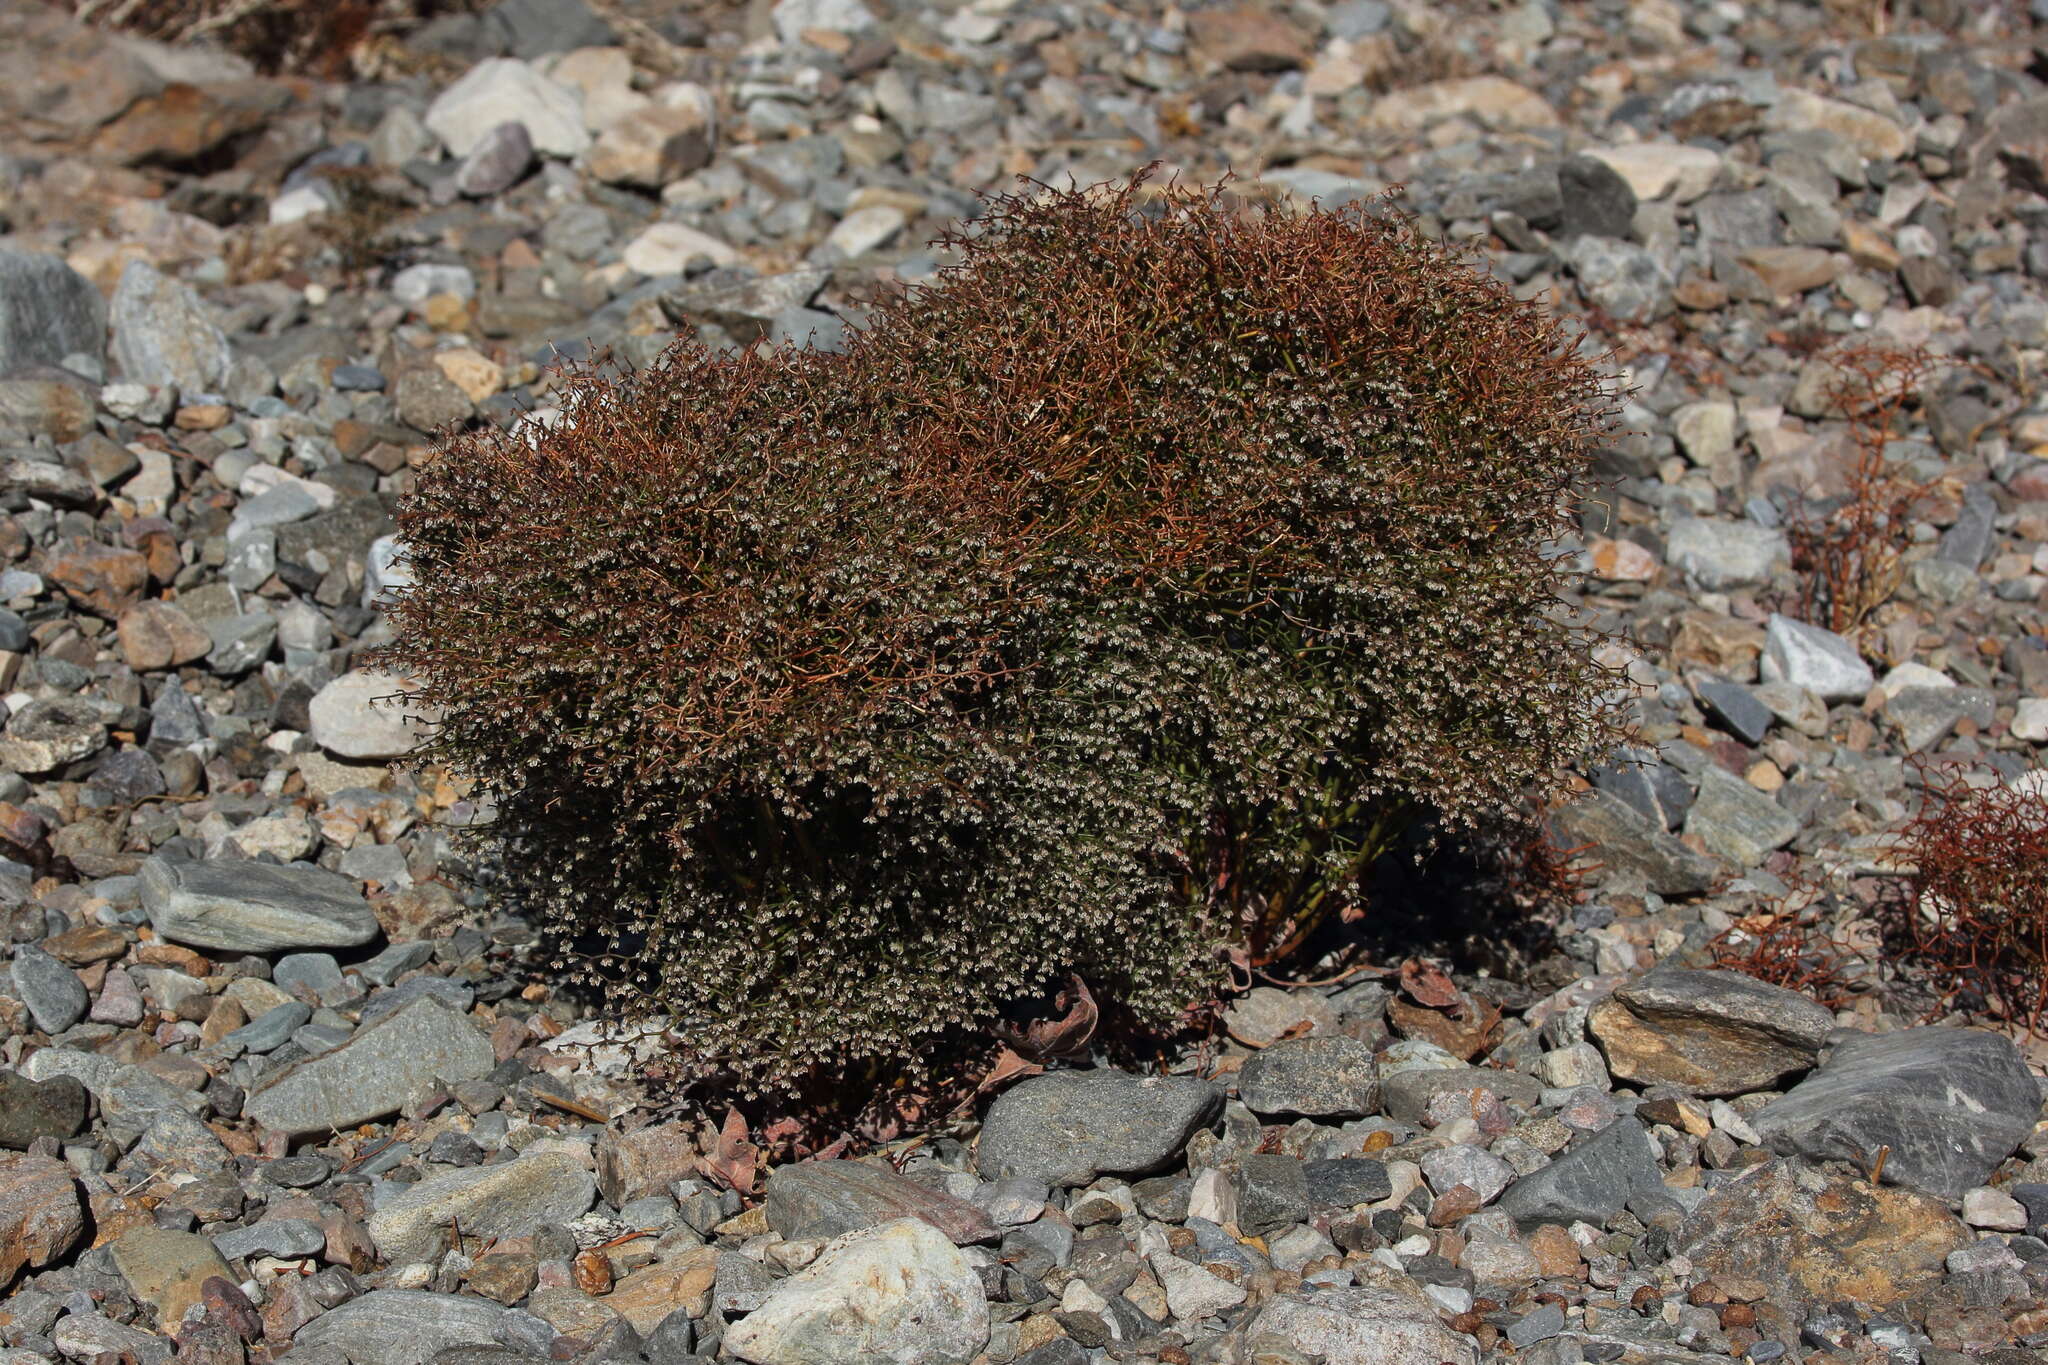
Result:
1110,602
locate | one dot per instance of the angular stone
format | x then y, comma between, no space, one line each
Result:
645,1161
41,1217
1390,1324
52,483
1068,1127
55,997
405,1327
1333,1077
1818,660
1493,100
159,635
900,1292
509,1200
364,715
1655,169
1925,716
45,735
1949,1105
371,1074
1249,38
1816,1238
1720,555
820,1200
1712,1032
653,146
1590,1183
1406,1095
1736,709
505,90
680,1284
1346,1181
1736,821
1192,1293
1272,1192
30,1109
131,1100
165,1269
255,907
1622,837
97,578
496,163
48,311
164,334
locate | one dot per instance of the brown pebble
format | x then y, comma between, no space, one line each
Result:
1737,1315
593,1270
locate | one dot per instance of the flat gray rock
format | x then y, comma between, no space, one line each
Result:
1590,1183
1949,1103
1623,837
370,1075
1405,1095
507,1200
820,1200
1333,1077
1736,821
55,997
130,1099
255,907
405,1326
1071,1126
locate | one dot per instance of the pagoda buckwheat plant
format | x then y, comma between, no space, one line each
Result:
1107,607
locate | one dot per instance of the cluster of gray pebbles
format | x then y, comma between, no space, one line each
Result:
278,1081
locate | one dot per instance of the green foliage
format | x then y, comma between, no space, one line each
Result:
1113,601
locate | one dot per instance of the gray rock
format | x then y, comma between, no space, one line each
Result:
415,284
394,962
1624,838
1736,709
1068,1127
269,1030
1925,716
1539,1325
29,1109
363,715
1390,1324
1950,1104
534,28
496,163
1332,1077
130,1099
1655,790
1594,199
240,642
1405,1095
1818,660
1346,1181
371,1074
1591,1182
255,907
55,997
287,1238
900,1292
164,334
1719,555
508,1200
48,311
1272,1192
820,1200
1630,283
505,90
404,1326
1736,821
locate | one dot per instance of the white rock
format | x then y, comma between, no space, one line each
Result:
1996,1210
1579,1064
1913,675
1719,555
1655,169
506,1200
296,205
866,230
507,90
384,577
417,283
899,1292
1192,1292
1818,660
350,722
2029,719
792,17
665,248
1705,432
1213,1197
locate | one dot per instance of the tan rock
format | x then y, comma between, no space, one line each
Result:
181,121
40,1216
653,146
1493,100
643,1162
1869,247
1792,269
1655,169
1872,134
1815,1237
1249,38
158,635
471,371
1620,561
1716,1033
165,1269
646,1296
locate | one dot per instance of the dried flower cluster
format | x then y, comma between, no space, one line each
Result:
1112,601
